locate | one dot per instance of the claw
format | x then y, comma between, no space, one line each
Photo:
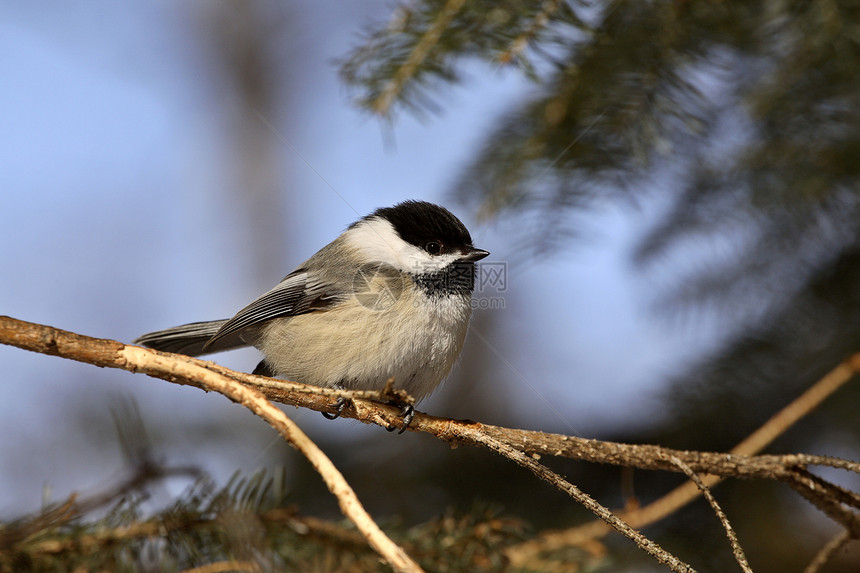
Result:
407,412
339,406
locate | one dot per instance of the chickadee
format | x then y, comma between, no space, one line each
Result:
390,297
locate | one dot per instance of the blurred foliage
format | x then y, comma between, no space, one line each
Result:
247,526
736,124
623,85
481,29
739,119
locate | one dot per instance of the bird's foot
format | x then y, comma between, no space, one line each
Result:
407,412
339,406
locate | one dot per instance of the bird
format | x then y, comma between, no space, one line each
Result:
390,297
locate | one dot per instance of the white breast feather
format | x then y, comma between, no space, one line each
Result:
417,341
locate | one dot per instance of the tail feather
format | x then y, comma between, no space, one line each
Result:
190,339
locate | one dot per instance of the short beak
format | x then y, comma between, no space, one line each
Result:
474,255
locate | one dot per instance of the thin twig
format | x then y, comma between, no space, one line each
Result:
730,532
586,500
105,353
185,370
687,492
145,359
828,551
154,527
224,567
113,354
540,21
179,369
392,89
836,492
800,407
820,494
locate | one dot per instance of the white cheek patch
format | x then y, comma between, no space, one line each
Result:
377,240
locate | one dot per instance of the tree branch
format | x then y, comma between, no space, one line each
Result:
739,462
540,21
108,353
252,392
393,88
740,557
832,546
586,500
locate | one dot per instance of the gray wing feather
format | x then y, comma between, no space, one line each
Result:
188,339
298,293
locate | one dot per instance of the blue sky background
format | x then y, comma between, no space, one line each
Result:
120,216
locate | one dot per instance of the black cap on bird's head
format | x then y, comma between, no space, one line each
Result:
430,227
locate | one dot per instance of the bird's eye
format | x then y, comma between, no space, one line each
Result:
433,247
